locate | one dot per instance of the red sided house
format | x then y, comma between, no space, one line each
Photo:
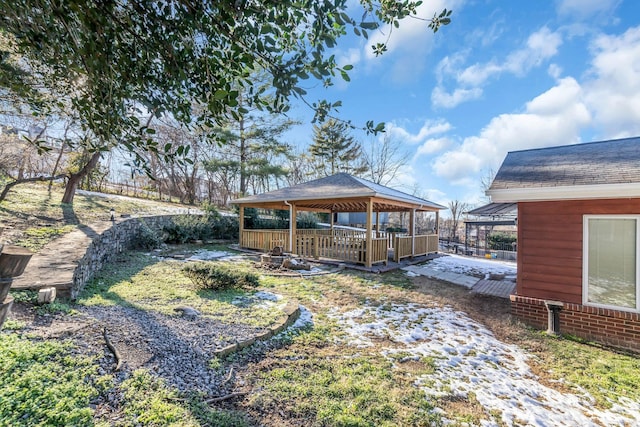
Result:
578,237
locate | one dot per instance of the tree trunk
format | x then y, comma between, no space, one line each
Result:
243,160
75,178
12,184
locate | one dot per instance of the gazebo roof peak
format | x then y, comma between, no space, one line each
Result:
339,193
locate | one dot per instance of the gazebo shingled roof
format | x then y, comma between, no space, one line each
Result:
339,193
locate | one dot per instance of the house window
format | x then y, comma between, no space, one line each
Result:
610,269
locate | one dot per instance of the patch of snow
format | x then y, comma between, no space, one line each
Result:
468,359
471,266
267,296
206,255
233,258
311,271
305,319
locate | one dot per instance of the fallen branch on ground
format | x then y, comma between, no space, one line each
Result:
226,380
113,349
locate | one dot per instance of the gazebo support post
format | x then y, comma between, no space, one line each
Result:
241,224
368,241
293,227
377,224
412,230
466,239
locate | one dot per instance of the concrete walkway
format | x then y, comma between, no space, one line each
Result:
497,288
55,263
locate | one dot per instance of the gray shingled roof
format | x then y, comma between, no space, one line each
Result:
336,188
496,210
593,163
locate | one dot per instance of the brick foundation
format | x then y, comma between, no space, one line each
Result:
615,328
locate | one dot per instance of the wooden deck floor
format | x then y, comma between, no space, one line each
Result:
380,267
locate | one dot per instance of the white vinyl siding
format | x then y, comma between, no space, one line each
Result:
610,262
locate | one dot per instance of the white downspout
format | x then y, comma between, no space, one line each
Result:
290,228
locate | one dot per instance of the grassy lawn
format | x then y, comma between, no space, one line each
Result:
142,281
33,215
302,377
346,368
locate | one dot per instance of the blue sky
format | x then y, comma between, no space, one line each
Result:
505,75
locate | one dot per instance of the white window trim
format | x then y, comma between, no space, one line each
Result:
585,262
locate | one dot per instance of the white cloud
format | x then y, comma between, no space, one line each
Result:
409,44
411,35
441,98
429,128
455,165
350,57
433,145
449,65
477,74
487,36
613,90
540,46
555,71
405,180
606,101
580,9
553,118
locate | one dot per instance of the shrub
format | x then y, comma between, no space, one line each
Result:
211,275
189,228
502,241
396,230
146,238
278,220
185,228
307,220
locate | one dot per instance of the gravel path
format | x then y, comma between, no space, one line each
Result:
175,348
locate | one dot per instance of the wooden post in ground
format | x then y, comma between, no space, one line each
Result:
368,241
436,230
293,226
241,223
412,230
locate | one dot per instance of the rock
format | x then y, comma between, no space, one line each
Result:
294,264
188,312
46,295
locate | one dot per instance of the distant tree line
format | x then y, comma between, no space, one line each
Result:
255,158
167,82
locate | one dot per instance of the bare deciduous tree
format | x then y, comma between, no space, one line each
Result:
457,208
384,159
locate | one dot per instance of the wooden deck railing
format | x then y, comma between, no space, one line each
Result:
406,246
345,245
264,240
390,236
379,250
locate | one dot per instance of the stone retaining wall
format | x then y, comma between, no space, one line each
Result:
120,237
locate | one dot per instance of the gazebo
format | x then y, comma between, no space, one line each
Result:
341,193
